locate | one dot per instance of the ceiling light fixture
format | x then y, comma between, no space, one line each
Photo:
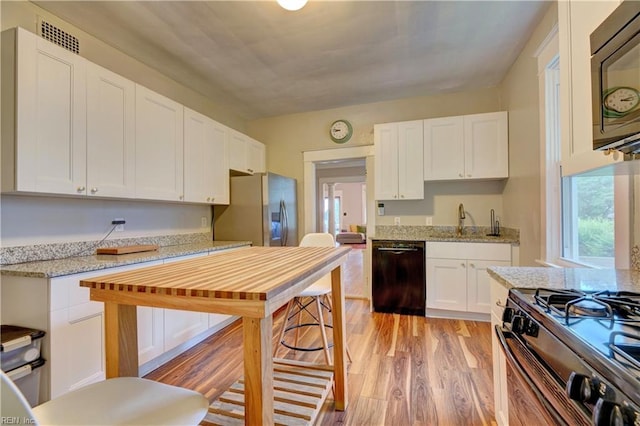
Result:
292,4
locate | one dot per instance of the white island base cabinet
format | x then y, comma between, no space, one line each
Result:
457,278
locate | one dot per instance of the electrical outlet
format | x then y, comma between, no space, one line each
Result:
428,220
119,223
204,222
396,221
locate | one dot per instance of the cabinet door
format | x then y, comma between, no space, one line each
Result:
199,167
159,146
180,326
220,163
501,398
150,333
478,288
237,151
76,335
386,161
50,117
256,157
486,152
444,148
110,133
447,284
410,160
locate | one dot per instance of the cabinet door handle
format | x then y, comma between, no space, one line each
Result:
402,196
460,175
472,265
464,265
181,197
81,189
250,170
500,304
94,190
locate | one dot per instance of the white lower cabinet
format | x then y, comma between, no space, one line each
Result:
76,332
501,400
180,326
150,333
73,346
457,278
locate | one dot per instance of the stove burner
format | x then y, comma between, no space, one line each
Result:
622,306
587,307
629,349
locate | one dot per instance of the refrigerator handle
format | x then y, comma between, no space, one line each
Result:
285,222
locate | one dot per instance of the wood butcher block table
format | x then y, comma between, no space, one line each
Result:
251,282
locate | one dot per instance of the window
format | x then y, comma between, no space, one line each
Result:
588,227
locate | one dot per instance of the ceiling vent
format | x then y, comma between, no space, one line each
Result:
57,36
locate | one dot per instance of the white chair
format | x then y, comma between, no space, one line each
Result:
319,294
118,401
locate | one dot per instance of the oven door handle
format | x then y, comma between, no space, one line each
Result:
503,335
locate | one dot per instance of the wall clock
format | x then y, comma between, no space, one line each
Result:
340,131
620,101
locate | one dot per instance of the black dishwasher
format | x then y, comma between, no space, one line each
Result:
398,283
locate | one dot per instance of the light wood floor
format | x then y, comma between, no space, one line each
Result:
406,369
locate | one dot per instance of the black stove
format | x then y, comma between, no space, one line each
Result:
589,341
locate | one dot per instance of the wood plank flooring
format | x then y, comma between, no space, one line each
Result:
406,370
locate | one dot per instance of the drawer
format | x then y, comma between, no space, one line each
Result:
478,251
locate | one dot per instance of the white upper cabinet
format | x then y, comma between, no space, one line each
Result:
44,143
159,146
398,161
256,156
466,147
576,22
110,133
206,166
444,148
246,155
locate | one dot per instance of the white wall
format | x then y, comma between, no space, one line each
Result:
27,220
441,200
520,97
352,204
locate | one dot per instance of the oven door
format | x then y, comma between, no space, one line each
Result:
533,390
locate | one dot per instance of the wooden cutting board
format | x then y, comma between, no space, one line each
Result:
126,249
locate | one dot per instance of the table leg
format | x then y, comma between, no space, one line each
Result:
258,370
339,341
121,339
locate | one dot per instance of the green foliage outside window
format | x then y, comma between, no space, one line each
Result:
595,237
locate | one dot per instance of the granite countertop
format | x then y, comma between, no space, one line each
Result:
584,279
471,234
74,265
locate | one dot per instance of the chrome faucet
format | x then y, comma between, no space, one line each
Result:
461,218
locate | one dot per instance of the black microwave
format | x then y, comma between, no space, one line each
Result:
615,81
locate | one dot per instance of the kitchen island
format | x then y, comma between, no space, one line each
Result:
252,282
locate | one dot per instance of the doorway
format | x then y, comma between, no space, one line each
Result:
329,167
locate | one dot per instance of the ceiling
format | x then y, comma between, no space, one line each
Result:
261,60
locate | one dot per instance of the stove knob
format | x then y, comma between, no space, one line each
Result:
531,328
607,413
517,324
581,388
507,314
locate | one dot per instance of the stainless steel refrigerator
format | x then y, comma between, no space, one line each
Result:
262,209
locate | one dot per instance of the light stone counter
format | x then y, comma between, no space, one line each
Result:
470,234
74,265
583,279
